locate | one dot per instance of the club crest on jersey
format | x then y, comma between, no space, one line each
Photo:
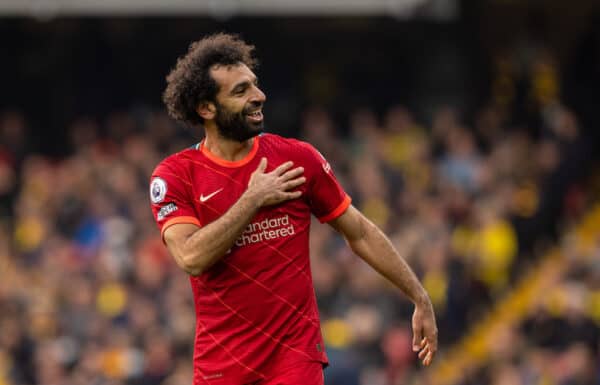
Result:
158,190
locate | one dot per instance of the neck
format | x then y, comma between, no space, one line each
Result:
226,149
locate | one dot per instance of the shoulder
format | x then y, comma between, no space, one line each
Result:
292,145
171,175
300,152
175,162
174,170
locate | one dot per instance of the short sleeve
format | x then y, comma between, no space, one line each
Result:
170,198
327,198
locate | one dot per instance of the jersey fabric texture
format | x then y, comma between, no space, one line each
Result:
256,309
304,373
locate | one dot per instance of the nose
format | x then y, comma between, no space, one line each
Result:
258,96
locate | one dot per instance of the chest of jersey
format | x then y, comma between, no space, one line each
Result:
215,189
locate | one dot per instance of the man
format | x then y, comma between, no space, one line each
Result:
234,212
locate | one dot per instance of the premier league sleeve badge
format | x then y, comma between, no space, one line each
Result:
158,190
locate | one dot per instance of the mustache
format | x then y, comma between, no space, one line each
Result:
252,107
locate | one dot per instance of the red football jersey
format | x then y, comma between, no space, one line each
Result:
255,308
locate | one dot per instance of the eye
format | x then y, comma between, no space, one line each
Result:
239,91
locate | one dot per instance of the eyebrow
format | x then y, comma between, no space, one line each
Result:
243,85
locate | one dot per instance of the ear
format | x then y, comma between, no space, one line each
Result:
206,110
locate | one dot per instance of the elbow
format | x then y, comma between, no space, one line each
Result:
187,255
193,271
190,265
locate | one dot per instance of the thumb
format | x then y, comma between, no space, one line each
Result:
262,166
417,336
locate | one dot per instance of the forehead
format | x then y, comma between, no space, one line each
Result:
227,76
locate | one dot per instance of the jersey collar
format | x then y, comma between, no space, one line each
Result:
228,163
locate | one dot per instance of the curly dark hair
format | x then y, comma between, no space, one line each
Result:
190,82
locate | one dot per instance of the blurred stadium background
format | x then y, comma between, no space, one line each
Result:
468,130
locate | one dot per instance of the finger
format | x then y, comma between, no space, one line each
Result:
432,346
432,352
428,358
431,338
292,195
262,166
423,353
293,183
417,337
283,168
293,173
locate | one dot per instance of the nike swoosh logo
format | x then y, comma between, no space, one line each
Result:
204,198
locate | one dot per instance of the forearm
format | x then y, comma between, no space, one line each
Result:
207,245
369,243
377,250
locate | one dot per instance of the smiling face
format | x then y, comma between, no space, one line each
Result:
238,103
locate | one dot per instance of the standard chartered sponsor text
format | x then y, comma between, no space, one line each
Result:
266,229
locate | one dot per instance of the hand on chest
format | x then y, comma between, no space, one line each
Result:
216,191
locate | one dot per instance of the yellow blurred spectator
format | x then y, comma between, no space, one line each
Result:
497,248
29,233
436,284
337,333
112,299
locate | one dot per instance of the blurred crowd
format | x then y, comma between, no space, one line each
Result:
555,339
89,295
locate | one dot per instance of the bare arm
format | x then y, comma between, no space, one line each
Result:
368,242
195,249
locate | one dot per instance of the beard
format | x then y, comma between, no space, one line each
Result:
235,126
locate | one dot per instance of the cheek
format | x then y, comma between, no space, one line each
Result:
230,105
234,105
235,111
